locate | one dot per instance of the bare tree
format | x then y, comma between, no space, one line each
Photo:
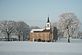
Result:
7,27
68,24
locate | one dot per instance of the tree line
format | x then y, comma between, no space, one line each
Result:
67,26
11,27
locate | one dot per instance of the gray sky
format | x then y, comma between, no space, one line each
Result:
35,12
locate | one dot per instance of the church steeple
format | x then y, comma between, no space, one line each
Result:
48,26
48,20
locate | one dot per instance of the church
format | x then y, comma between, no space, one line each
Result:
42,35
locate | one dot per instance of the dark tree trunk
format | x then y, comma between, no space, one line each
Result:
8,36
68,39
19,37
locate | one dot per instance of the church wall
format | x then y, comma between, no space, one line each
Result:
40,35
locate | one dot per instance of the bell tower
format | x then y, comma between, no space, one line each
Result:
48,26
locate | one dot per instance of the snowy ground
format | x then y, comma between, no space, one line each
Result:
38,48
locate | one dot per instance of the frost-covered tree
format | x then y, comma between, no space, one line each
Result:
22,30
58,33
68,24
54,27
80,34
55,33
7,27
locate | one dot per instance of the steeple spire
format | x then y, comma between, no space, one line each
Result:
48,20
48,26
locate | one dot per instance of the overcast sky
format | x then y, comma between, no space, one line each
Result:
35,12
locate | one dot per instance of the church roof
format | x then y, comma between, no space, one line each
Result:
35,30
39,30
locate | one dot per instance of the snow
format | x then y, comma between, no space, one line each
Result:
60,47
36,30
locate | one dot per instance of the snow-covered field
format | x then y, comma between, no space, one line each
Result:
41,48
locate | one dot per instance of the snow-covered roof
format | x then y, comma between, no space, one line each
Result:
36,30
